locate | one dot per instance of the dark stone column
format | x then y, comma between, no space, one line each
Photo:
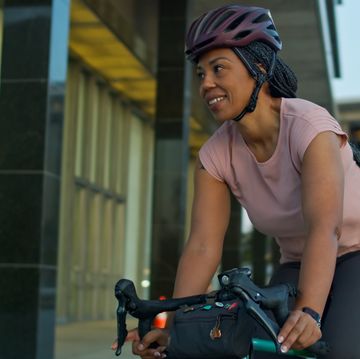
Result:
171,147
275,255
258,256
33,71
232,245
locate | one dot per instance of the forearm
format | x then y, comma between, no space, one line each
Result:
203,250
322,179
317,270
196,269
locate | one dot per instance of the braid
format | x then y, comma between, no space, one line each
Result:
283,82
356,152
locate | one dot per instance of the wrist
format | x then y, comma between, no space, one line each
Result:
313,314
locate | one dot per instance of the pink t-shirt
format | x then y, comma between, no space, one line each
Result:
270,191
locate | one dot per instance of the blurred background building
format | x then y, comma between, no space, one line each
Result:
100,127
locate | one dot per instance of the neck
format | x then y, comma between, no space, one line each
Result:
260,129
257,125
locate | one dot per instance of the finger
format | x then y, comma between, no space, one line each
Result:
143,349
154,353
161,348
114,345
139,349
288,326
303,339
302,328
154,336
150,356
291,338
311,334
163,337
160,352
145,353
143,346
132,335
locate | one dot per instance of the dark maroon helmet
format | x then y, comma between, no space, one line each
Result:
231,26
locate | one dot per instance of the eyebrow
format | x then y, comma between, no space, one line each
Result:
212,61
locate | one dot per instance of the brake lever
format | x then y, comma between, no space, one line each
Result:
256,299
144,310
122,286
273,298
253,308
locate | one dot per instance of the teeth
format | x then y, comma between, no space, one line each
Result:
214,100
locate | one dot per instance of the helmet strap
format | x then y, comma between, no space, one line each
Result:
253,98
260,78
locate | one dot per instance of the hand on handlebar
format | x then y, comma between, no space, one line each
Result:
299,331
133,335
144,349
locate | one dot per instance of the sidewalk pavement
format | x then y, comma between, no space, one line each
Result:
90,340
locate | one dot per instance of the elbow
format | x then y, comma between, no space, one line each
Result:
333,237
337,233
211,252
204,250
325,235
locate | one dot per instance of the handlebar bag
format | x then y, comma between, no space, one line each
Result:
219,330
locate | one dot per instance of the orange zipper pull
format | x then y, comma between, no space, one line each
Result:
215,333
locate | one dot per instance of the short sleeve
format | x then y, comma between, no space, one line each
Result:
306,128
210,157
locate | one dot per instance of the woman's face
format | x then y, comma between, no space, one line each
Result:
225,83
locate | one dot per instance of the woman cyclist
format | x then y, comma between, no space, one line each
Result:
288,162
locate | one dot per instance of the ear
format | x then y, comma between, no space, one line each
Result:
261,68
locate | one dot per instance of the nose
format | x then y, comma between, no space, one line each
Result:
207,83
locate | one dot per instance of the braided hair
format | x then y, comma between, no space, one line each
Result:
283,82
356,152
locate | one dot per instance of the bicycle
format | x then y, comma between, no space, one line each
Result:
236,287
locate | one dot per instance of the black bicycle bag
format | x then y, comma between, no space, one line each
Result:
222,329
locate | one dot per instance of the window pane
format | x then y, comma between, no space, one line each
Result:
1,30
80,121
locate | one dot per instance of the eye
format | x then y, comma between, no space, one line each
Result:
218,68
200,75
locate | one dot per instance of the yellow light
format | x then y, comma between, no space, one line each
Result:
145,283
102,51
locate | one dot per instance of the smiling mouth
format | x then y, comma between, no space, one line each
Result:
216,100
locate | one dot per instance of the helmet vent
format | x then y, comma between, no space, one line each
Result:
236,22
261,18
206,24
271,27
242,34
222,19
203,43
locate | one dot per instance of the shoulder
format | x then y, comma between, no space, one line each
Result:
305,116
214,153
220,137
304,121
303,109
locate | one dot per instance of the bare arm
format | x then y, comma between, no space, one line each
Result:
202,253
322,202
323,190
209,221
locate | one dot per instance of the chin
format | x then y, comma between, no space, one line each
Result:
222,118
